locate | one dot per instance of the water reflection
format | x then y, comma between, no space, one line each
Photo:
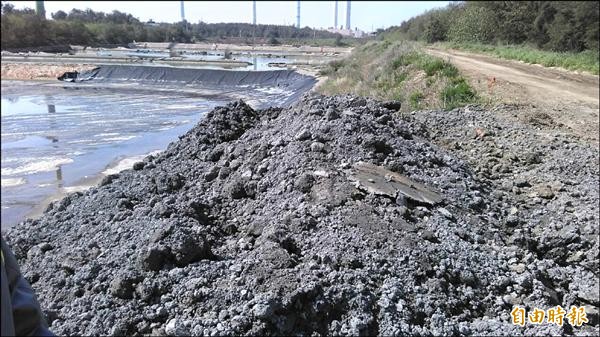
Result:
54,139
52,124
59,177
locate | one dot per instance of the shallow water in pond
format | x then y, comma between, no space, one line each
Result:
59,139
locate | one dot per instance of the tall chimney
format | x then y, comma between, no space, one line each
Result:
298,15
254,12
39,9
182,12
335,16
348,14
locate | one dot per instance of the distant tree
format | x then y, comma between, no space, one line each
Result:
563,33
555,25
587,15
434,30
473,24
338,39
539,32
59,15
273,41
7,8
120,18
87,27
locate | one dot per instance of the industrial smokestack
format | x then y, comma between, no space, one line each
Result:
39,9
254,12
182,12
335,16
348,15
298,15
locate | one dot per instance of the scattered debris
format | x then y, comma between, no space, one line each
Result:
378,180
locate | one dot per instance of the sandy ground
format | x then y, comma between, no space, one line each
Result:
556,96
24,71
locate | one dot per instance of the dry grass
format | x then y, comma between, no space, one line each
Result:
398,71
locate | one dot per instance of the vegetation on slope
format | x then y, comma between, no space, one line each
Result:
547,25
398,71
550,33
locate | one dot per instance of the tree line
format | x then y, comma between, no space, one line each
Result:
549,25
23,28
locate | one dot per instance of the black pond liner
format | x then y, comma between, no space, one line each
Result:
289,80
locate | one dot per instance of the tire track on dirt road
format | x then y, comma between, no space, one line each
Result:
568,97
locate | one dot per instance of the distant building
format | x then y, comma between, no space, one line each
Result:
151,23
347,32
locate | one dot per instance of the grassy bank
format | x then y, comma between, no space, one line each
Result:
398,71
585,61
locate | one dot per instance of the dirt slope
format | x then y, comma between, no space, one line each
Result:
567,98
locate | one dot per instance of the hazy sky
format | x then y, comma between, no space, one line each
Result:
366,15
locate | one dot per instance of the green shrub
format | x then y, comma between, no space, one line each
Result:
457,93
404,60
332,67
338,40
273,41
431,65
434,65
429,82
401,77
415,99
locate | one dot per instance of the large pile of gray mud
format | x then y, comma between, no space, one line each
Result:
336,216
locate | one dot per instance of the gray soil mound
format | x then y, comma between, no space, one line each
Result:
337,216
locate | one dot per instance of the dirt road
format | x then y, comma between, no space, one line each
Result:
561,97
